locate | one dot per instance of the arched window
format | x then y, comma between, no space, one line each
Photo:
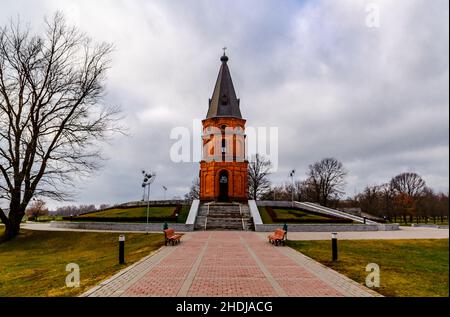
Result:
224,146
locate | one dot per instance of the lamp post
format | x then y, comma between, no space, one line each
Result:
122,249
148,180
291,174
334,249
165,190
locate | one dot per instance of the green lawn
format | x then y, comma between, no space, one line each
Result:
184,213
132,212
265,217
34,263
48,218
290,214
407,267
138,212
294,213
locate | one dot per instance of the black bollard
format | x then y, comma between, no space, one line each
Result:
334,250
121,249
364,220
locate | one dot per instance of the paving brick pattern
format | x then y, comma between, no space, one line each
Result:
228,263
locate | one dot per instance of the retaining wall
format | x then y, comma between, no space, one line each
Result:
326,227
120,226
423,225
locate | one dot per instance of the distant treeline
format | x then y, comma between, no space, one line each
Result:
72,210
405,197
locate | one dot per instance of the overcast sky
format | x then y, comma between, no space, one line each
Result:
376,98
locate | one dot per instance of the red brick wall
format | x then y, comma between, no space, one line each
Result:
212,163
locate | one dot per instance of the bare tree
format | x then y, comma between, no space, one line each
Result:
408,183
387,200
104,206
276,193
327,179
51,115
443,209
82,209
67,211
258,176
194,191
304,190
37,208
370,200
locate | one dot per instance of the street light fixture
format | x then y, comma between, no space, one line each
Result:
291,174
165,190
148,180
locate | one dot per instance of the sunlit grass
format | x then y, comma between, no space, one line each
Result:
33,264
408,267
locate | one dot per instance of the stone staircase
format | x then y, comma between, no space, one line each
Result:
223,216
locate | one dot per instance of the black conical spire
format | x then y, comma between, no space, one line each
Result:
224,102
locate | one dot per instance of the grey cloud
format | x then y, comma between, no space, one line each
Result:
377,99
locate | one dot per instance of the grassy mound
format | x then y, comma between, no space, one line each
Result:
137,214
294,215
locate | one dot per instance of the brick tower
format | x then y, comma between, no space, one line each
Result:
223,169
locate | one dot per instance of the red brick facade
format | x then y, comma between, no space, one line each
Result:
223,169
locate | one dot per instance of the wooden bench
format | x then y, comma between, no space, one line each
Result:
278,237
171,237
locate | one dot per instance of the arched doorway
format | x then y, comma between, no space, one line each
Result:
223,185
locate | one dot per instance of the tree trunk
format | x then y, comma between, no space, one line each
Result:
12,226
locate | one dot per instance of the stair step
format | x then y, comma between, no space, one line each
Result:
224,216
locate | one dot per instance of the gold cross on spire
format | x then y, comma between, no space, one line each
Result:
224,48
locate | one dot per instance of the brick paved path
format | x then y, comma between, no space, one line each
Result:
228,263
